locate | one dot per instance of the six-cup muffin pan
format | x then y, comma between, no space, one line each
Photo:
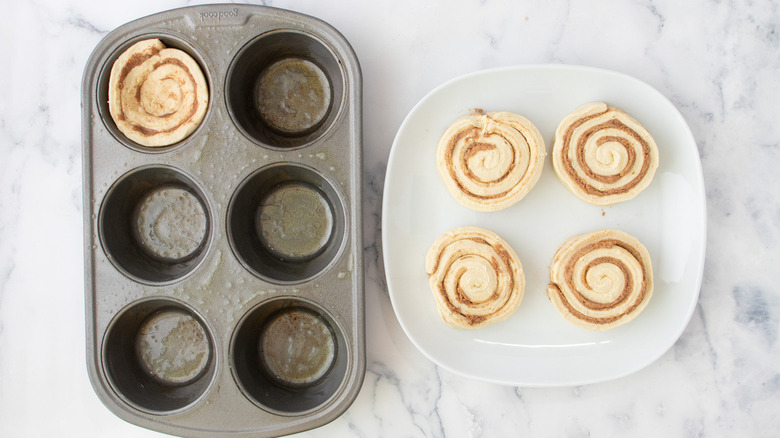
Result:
248,319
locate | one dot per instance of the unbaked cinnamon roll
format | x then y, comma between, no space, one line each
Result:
475,276
156,95
490,161
603,155
601,280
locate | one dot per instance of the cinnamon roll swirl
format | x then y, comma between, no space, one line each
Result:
490,161
156,95
601,280
475,276
603,155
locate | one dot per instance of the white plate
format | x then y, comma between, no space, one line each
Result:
535,346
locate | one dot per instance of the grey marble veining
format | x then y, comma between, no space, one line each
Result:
717,61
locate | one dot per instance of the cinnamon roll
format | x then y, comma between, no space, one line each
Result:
490,161
603,155
601,280
475,276
156,95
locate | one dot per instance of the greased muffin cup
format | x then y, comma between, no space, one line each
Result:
224,277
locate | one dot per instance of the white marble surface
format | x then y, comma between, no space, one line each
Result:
717,61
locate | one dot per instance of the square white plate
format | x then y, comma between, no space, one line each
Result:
536,346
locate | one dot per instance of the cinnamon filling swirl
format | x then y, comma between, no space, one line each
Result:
475,277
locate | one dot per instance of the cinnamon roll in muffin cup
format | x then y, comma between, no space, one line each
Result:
157,96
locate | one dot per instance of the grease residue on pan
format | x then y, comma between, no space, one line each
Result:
296,347
294,221
293,95
172,347
170,223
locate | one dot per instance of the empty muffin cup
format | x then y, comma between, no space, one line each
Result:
285,89
286,223
158,355
154,224
289,356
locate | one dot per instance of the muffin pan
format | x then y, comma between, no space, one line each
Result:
224,278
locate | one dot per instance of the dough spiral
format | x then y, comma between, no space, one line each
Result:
603,155
156,95
490,161
475,276
601,280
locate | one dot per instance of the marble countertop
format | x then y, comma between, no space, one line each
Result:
716,61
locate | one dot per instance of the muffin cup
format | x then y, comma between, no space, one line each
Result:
171,39
123,221
289,356
285,88
286,223
159,356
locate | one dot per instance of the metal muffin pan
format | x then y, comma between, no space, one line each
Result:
246,317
